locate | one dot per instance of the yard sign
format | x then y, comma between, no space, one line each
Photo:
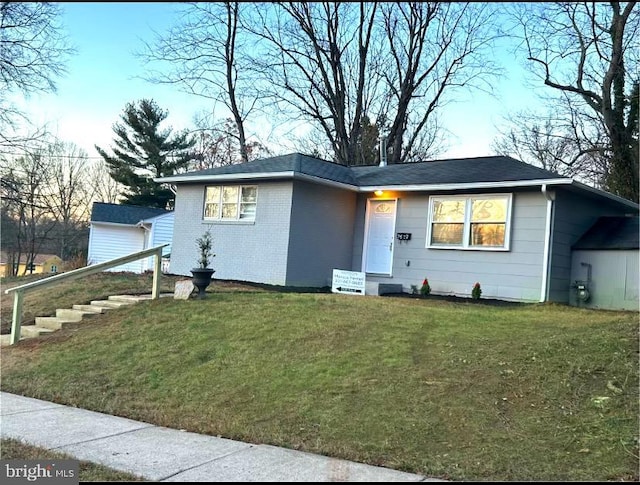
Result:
348,282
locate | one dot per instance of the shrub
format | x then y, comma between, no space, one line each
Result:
414,289
425,289
476,291
205,249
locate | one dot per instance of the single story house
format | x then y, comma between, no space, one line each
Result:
606,263
292,219
42,263
118,230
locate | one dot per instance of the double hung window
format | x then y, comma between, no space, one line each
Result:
469,222
230,202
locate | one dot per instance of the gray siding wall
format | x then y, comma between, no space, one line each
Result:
511,275
614,279
574,215
245,251
321,238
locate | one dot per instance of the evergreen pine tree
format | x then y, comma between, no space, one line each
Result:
143,151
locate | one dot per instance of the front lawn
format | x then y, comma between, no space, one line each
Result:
449,390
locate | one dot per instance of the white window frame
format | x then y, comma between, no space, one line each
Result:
466,246
238,204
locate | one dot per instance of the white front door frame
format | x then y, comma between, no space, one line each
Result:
366,256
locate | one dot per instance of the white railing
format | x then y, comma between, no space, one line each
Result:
77,273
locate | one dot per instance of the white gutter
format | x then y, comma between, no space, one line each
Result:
225,177
366,188
474,185
118,224
548,241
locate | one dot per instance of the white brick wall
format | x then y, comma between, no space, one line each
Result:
254,251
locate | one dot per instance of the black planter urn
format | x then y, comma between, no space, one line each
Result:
202,279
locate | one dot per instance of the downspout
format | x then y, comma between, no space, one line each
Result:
146,244
550,196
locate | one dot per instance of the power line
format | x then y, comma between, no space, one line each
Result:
54,156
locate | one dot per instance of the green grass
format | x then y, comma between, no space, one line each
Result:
87,472
450,390
44,302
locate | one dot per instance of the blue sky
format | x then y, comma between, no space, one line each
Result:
103,76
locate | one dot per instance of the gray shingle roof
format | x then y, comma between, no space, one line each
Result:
611,233
295,162
123,214
452,171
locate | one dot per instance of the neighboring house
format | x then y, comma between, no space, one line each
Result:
606,262
118,230
42,263
292,219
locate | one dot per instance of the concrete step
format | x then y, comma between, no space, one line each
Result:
129,299
31,331
109,303
53,323
137,298
72,315
90,308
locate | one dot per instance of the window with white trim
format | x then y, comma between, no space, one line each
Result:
469,222
230,202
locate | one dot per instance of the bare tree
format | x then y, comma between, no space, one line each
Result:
206,53
33,51
23,189
105,188
583,51
434,48
337,64
315,61
218,144
545,141
67,194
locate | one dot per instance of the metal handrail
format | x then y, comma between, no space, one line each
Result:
77,273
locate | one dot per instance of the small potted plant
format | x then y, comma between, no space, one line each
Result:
203,273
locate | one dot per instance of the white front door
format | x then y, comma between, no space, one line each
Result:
379,242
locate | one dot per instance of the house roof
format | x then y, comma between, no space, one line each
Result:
274,167
37,259
123,214
611,233
451,171
443,175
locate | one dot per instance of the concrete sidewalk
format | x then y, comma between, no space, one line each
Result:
163,454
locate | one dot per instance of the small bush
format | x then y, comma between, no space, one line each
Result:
414,289
476,291
425,289
205,248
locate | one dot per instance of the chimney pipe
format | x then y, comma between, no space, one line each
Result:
383,150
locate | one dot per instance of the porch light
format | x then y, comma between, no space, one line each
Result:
379,192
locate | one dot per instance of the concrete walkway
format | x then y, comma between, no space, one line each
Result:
163,454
